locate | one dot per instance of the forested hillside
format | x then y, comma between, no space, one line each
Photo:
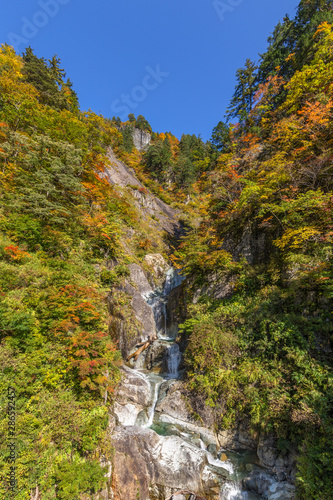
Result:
260,336
256,201
64,243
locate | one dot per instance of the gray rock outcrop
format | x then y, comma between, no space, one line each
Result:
141,139
123,329
267,487
132,397
143,460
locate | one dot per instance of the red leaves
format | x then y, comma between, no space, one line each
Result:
232,173
14,253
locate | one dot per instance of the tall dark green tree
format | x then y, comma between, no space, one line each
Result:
58,74
158,159
242,100
281,44
294,38
221,137
48,78
128,143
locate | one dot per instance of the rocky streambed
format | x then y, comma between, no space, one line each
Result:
161,451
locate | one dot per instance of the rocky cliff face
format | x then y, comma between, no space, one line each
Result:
141,139
153,210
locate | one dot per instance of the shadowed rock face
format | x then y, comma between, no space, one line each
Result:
143,459
266,486
135,287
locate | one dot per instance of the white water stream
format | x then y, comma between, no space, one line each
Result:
153,406
230,490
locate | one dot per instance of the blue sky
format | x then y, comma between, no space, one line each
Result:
173,61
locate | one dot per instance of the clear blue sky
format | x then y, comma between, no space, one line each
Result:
173,61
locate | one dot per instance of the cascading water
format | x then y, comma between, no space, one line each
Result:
230,489
156,384
173,360
158,302
172,280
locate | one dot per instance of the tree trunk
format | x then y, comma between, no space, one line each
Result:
142,347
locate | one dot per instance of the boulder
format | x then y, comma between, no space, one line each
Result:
138,279
265,485
158,266
143,459
155,357
133,396
173,403
266,450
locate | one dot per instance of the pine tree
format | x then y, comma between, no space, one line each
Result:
128,143
221,137
142,124
158,159
242,100
48,78
294,38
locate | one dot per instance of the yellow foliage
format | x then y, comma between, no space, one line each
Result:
295,238
10,62
317,75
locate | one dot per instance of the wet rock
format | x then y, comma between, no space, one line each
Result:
175,407
132,397
142,458
265,485
174,403
134,388
138,279
131,319
144,314
266,450
155,358
212,448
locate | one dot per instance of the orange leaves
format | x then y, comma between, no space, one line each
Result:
232,173
3,130
14,253
145,244
316,118
77,321
106,236
95,223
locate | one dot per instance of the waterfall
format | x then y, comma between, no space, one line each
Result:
158,301
231,491
173,359
172,280
153,406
